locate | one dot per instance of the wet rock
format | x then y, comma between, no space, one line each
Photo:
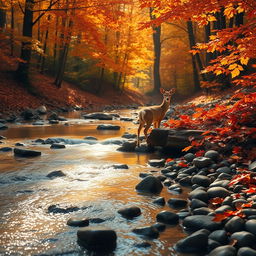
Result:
167,182
98,239
144,174
3,126
246,251
185,181
143,245
202,211
2,137
201,162
5,149
148,231
167,217
120,166
223,209
128,146
243,239
57,209
175,189
39,141
225,250
126,119
42,110
201,180
194,243
53,116
108,127
90,138
197,222
177,203
96,220
26,152
130,212
69,141
235,224
39,122
157,162
129,136
182,215
159,201
53,121
224,169
159,226
220,183
189,157
212,244
56,174
57,146
19,144
61,118
212,154
250,226
219,236
150,184
252,167
99,116
28,114
196,203
249,212
76,222
199,194
217,192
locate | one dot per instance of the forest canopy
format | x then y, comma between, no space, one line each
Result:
186,44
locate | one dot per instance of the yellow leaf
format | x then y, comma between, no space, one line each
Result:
218,72
211,18
240,67
235,72
232,66
224,62
187,148
244,60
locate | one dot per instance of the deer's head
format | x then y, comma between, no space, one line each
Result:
167,94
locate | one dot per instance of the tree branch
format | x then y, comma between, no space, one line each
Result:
21,7
42,14
176,25
73,8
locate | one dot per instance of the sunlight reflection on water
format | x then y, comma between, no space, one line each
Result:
91,183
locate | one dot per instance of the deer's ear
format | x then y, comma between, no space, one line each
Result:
162,90
173,90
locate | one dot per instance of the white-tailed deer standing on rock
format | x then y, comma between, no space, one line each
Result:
154,114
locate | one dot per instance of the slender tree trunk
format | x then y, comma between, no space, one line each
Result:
2,16
12,29
195,58
23,68
45,45
157,53
55,50
239,19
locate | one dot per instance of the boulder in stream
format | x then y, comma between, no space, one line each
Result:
108,127
99,116
26,152
56,174
150,184
3,126
130,212
98,239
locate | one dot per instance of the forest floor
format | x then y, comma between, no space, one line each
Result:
14,98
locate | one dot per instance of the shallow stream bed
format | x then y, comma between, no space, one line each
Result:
91,183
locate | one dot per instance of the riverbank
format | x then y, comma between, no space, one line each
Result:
14,98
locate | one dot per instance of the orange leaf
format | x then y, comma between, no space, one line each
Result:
187,148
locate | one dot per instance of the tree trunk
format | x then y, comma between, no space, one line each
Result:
2,16
195,58
157,53
23,68
12,29
45,45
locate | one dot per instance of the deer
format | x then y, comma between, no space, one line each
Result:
154,114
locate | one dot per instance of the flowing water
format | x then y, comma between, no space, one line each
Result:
91,183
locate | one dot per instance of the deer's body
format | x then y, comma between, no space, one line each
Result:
154,115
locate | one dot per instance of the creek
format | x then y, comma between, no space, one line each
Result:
91,183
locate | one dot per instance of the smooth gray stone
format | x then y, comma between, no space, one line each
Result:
225,250
130,212
167,217
150,184
197,222
26,152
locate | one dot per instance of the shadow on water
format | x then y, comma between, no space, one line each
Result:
90,183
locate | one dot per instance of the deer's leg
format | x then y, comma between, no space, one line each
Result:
146,130
158,123
155,125
138,136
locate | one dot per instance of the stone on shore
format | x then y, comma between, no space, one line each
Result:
150,184
166,217
76,222
225,250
